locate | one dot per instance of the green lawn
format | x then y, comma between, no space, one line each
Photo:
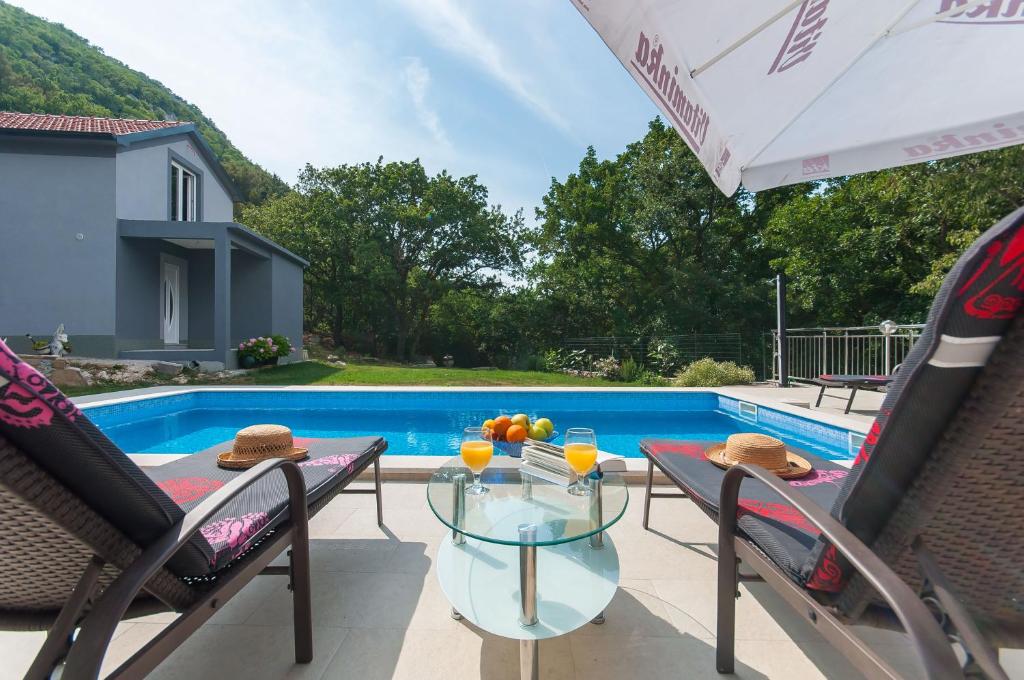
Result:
318,373
315,373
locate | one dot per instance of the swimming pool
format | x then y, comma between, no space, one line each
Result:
422,423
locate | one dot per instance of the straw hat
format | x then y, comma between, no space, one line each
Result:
257,443
759,449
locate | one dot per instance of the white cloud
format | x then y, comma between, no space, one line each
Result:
417,82
452,29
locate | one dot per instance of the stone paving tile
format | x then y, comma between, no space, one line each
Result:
379,613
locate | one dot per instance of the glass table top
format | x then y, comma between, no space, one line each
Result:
516,500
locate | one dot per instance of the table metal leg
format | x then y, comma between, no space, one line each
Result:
456,615
599,619
458,507
596,512
528,575
529,660
527,482
647,495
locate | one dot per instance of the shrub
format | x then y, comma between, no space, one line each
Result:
652,380
630,370
566,360
662,357
608,368
553,360
283,345
707,372
536,362
264,348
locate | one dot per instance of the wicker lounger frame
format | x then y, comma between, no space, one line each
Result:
100,577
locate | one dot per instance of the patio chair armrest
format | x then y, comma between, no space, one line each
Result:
87,652
931,642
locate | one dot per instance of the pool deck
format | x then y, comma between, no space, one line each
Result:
797,400
379,613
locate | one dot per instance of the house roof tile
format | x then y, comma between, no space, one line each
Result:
85,124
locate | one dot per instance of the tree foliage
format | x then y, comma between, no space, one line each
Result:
863,248
389,247
45,68
645,244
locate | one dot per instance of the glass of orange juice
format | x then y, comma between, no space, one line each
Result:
580,453
476,451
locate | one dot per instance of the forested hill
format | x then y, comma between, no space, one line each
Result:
45,68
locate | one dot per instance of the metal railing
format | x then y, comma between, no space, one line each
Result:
689,347
861,350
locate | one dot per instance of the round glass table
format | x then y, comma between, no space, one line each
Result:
528,560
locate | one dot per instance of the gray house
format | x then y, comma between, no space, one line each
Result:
122,230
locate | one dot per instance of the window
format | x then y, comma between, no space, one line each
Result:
183,194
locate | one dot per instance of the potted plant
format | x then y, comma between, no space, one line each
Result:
263,351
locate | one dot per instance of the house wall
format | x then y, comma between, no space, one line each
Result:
251,285
139,272
286,301
144,181
52,191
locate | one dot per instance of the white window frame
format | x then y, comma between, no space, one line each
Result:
185,210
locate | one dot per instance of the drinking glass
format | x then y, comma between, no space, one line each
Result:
476,451
581,454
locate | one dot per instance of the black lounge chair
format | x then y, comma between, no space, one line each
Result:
89,538
851,382
925,532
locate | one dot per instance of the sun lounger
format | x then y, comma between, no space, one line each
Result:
851,382
924,532
89,538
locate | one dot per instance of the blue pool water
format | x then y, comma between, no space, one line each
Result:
431,423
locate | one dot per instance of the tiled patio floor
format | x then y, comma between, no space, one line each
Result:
379,612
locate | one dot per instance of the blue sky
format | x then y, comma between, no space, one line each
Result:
511,90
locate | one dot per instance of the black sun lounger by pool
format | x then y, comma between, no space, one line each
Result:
851,382
90,538
923,533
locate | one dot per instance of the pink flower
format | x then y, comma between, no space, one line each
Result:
252,339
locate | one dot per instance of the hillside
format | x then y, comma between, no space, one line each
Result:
45,68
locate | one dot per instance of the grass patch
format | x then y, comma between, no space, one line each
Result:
319,373
316,373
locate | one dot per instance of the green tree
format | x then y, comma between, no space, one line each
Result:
645,244
863,248
385,242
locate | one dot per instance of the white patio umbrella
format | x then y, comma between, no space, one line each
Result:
773,92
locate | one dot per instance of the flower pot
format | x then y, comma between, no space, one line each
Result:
247,361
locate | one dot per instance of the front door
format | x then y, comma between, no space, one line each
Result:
171,302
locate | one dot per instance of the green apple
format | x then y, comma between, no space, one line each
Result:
521,419
539,433
546,424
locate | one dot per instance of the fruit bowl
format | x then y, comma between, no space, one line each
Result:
515,449
510,433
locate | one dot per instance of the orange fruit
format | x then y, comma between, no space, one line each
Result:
516,433
501,425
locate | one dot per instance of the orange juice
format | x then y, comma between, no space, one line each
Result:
476,454
580,457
